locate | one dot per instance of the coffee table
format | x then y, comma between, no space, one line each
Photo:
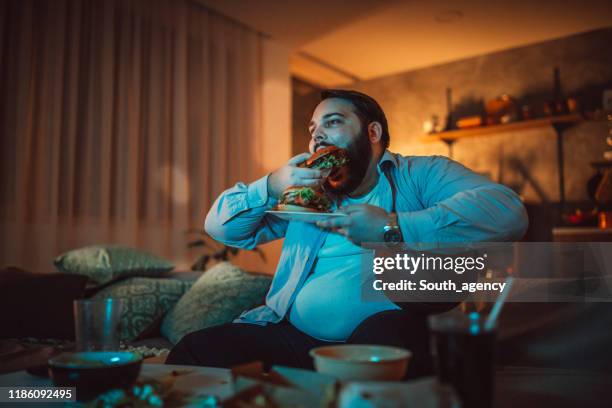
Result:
515,386
194,380
200,381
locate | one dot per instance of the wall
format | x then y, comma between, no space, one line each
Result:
276,149
585,63
305,97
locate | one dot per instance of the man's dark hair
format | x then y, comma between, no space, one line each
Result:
366,108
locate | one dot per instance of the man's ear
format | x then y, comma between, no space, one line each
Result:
374,132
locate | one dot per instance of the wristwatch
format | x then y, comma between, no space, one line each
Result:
391,231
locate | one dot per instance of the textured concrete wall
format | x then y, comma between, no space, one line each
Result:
305,98
585,63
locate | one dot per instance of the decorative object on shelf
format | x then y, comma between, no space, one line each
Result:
432,125
581,218
559,105
566,121
549,108
572,105
527,112
502,109
469,122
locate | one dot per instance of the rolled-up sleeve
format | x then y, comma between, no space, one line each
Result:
459,205
237,217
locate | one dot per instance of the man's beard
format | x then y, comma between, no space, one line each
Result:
360,154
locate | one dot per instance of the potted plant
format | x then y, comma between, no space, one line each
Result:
212,249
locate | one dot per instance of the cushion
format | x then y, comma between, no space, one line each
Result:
219,296
104,263
147,299
38,304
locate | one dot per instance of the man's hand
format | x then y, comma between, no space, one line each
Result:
363,223
291,175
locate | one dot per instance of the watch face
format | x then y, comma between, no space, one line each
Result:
393,235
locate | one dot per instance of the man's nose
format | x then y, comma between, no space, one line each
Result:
318,135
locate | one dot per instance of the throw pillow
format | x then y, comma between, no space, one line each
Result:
38,304
104,263
219,296
147,299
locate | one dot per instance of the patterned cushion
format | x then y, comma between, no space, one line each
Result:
219,296
147,300
102,263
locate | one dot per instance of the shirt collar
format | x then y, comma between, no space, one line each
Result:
386,157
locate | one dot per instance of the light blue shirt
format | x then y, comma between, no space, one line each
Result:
329,306
438,200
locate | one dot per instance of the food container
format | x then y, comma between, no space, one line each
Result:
362,362
94,372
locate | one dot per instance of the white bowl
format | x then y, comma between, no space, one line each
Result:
358,362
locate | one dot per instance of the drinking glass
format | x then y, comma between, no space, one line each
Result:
97,324
464,350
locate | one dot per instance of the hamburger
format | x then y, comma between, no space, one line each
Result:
327,158
300,198
330,157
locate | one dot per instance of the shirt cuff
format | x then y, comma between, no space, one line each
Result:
257,192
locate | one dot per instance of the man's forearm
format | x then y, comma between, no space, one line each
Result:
487,213
237,217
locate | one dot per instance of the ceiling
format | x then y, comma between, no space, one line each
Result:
336,42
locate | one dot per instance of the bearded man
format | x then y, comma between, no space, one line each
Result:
315,297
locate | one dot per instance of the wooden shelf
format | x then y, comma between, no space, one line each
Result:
453,135
602,164
581,234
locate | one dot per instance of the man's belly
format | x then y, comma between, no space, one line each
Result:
329,305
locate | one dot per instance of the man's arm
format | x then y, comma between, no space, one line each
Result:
238,218
460,205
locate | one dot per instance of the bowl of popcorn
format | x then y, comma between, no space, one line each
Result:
362,362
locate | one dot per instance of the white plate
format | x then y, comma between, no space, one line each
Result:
304,216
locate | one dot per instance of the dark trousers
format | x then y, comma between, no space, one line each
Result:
282,344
